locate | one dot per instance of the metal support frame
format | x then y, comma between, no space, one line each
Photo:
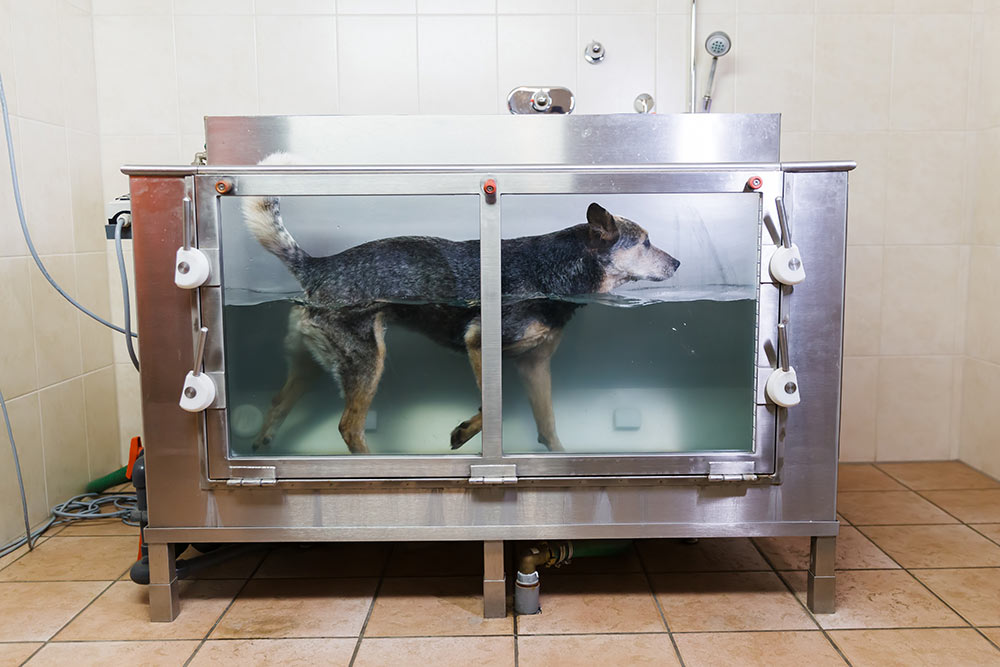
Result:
494,580
164,590
822,581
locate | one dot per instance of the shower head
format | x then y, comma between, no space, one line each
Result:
718,44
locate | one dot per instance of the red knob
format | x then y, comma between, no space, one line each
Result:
490,186
754,183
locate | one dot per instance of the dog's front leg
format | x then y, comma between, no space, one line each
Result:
534,367
465,431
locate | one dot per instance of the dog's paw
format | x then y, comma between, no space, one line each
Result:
461,434
261,442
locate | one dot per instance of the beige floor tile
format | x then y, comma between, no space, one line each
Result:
17,553
904,648
717,554
433,606
100,528
880,599
854,552
935,546
593,604
36,611
240,566
743,649
936,475
573,650
437,651
728,601
285,652
626,561
75,559
888,507
348,559
979,506
992,633
864,477
974,593
12,655
122,613
298,608
153,653
990,530
435,559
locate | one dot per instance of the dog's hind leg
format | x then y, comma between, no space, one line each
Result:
360,364
534,367
465,431
302,372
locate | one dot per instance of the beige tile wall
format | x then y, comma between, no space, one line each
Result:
893,84
980,428
56,367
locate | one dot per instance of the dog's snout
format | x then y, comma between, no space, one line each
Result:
674,263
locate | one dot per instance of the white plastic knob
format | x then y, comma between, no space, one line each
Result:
191,268
198,392
786,265
783,387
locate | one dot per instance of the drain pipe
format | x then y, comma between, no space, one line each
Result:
554,554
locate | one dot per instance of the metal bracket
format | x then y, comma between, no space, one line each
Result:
252,476
493,474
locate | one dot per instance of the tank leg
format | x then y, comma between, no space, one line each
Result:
494,581
164,597
821,578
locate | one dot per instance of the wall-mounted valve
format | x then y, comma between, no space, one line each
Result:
594,53
553,99
783,384
786,262
191,266
199,389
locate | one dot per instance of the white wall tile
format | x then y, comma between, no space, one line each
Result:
136,94
863,300
7,56
925,194
92,287
866,210
86,191
129,406
930,76
222,79
672,69
133,149
64,432
45,189
536,6
456,6
853,67
980,417
536,51
27,427
914,408
986,222
79,81
922,305
265,7
628,68
989,82
983,318
103,445
378,64
131,7
616,6
297,64
11,238
457,64
376,6
38,63
213,7
776,7
774,56
674,7
56,331
795,146
932,6
858,413
17,354
854,6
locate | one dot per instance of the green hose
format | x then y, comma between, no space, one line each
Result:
597,548
111,479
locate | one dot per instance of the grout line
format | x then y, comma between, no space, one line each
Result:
371,607
656,601
225,611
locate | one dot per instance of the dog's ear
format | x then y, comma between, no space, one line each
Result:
602,226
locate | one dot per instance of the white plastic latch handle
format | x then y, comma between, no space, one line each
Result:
783,384
199,389
786,262
783,387
191,266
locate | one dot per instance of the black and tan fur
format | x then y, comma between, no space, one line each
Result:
431,285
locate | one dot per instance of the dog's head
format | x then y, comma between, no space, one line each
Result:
624,251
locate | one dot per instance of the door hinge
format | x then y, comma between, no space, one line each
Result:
731,471
493,474
735,477
251,476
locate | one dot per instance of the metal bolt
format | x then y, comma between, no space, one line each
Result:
790,388
223,186
594,52
183,267
190,392
794,264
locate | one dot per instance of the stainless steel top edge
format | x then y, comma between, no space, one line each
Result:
192,170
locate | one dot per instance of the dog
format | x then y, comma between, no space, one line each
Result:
432,285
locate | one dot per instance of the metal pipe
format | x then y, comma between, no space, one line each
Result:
544,554
694,74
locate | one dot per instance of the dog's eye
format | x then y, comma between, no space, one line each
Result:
645,244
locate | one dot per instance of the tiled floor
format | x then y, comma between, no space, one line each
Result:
918,583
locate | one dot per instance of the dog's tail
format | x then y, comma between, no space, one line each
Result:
263,219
